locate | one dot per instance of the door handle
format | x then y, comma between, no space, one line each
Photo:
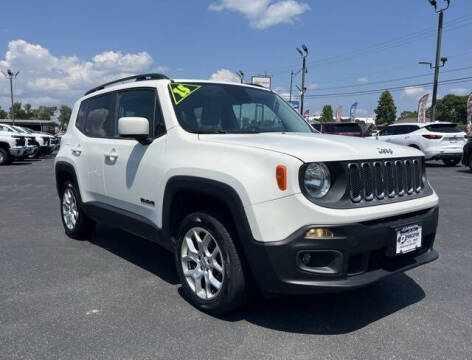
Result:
112,155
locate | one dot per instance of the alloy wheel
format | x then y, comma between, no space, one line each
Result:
69,209
202,263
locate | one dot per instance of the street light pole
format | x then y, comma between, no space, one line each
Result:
11,76
438,55
303,54
241,76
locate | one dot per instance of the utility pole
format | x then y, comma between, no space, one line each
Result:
438,56
292,74
303,54
11,76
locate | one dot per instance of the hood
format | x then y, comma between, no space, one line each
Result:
315,147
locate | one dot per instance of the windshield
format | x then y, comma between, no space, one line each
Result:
223,108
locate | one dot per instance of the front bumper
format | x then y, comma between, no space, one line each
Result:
357,255
18,152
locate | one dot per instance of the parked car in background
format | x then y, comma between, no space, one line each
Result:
438,140
12,146
47,143
467,157
348,129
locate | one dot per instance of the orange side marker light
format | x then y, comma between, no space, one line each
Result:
281,176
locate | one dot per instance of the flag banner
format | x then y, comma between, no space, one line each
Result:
352,113
469,115
422,108
338,113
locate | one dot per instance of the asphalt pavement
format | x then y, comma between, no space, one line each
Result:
118,297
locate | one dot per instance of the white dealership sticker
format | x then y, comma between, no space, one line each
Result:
408,239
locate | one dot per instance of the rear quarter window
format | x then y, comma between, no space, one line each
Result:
444,128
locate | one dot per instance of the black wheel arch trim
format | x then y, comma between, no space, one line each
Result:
213,188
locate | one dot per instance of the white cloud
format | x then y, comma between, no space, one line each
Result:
460,91
360,111
48,79
225,75
263,14
284,93
362,80
414,91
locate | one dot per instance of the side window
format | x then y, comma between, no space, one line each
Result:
137,102
81,115
99,119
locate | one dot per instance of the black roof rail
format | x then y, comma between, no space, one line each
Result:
141,77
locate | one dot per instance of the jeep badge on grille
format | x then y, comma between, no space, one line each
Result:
385,151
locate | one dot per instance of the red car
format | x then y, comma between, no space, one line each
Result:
348,129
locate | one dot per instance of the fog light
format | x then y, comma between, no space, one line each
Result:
306,257
318,233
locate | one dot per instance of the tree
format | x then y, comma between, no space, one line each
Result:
326,114
18,111
386,110
64,115
409,114
3,113
46,112
451,108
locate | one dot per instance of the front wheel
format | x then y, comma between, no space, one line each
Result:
76,224
3,156
451,162
209,265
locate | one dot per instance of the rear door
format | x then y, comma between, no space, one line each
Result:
132,170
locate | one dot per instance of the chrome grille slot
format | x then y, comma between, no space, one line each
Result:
389,179
418,173
368,181
355,182
401,177
379,180
409,177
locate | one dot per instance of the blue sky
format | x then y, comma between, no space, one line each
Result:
63,48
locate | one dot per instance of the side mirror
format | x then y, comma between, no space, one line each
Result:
134,128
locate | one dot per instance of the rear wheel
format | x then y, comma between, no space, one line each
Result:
76,224
451,162
209,265
3,156
470,162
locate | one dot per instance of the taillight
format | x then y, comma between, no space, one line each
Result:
432,137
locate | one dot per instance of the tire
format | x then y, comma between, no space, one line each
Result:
451,162
223,265
76,224
3,157
470,162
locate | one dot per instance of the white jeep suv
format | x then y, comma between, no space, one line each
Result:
438,140
241,189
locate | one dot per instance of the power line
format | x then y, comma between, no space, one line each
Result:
386,45
389,80
395,88
391,70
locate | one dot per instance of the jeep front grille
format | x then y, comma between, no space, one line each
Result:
383,179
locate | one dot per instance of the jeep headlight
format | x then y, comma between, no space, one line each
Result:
317,180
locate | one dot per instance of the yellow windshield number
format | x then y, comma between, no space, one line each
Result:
182,91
